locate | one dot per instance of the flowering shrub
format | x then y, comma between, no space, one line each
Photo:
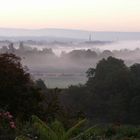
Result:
6,120
7,125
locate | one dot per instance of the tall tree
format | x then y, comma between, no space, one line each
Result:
18,92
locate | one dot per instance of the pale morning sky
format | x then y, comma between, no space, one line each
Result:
108,15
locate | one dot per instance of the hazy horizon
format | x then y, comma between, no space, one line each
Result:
61,28
64,35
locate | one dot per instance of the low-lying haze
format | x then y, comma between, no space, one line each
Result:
63,60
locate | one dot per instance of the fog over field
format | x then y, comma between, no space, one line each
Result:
61,57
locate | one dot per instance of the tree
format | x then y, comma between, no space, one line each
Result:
40,83
110,84
107,73
18,93
134,111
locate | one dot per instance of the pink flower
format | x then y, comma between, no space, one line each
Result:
10,116
13,126
7,113
12,123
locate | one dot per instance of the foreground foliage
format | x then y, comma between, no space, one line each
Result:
56,131
53,131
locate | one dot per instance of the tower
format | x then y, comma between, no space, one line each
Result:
90,37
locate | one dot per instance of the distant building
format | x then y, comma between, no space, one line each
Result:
90,38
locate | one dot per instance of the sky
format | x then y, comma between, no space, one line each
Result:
95,15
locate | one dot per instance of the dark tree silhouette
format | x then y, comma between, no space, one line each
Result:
111,94
18,93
